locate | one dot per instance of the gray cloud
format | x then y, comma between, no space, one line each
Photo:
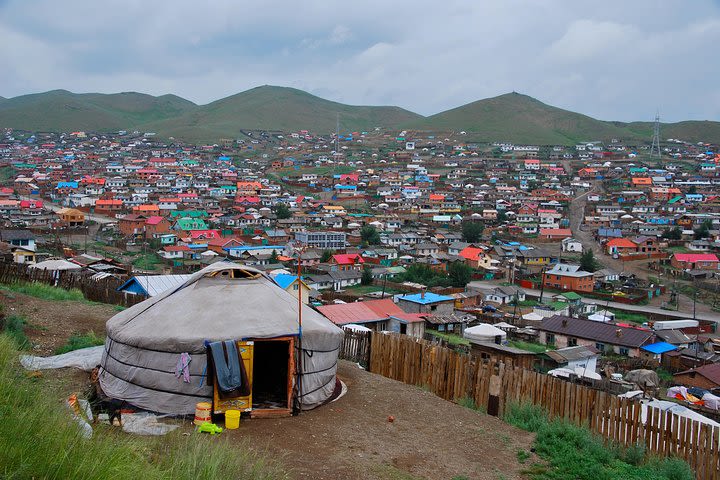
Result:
612,60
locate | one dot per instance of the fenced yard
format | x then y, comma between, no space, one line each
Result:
493,386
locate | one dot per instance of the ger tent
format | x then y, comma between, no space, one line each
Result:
224,301
485,333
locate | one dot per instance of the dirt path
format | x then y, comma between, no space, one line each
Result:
351,438
429,438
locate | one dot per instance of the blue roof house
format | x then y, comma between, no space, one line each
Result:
427,302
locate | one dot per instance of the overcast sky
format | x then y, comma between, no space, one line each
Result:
614,60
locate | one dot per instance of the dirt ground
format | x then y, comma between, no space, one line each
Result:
350,438
51,323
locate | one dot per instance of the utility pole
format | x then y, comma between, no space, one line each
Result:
542,283
655,147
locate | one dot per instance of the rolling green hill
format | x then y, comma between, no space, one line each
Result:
512,117
276,108
60,110
518,118
689,130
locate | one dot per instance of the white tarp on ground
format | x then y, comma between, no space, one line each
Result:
84,359
677,409
224,301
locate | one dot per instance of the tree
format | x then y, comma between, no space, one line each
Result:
282,211
370,235
274,256
703,231
326,256
471,231
501,216
460,274
421,273
588,262
672,233
367,277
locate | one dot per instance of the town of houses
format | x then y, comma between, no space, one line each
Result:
432,233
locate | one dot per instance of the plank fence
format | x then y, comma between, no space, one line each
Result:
102,290
356,347
452,376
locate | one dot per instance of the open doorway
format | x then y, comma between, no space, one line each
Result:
273,367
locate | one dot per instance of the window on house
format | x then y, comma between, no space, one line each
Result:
624,351
572,342
600,347
441,328
550,339
433,307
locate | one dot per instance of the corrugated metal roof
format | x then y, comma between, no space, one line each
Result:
153,285
597,331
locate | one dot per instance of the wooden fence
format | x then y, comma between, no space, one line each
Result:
356,347
96,290
452,376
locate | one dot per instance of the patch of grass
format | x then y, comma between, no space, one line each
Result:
625,316
664,375
39,439
468,402
148,261
530,347
365,289
449,337
45,291
14,327
78,341
523,455
574,452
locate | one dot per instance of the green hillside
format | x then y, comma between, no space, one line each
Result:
518,118
60,110
276,108
512,117
690,130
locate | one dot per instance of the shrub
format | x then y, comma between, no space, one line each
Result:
76,342
14,327
573,452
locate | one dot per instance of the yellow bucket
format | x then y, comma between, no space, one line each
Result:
232,419
202,413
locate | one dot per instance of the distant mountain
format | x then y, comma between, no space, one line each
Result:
60,110
277,108
512,117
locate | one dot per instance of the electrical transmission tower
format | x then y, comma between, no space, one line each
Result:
655,148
